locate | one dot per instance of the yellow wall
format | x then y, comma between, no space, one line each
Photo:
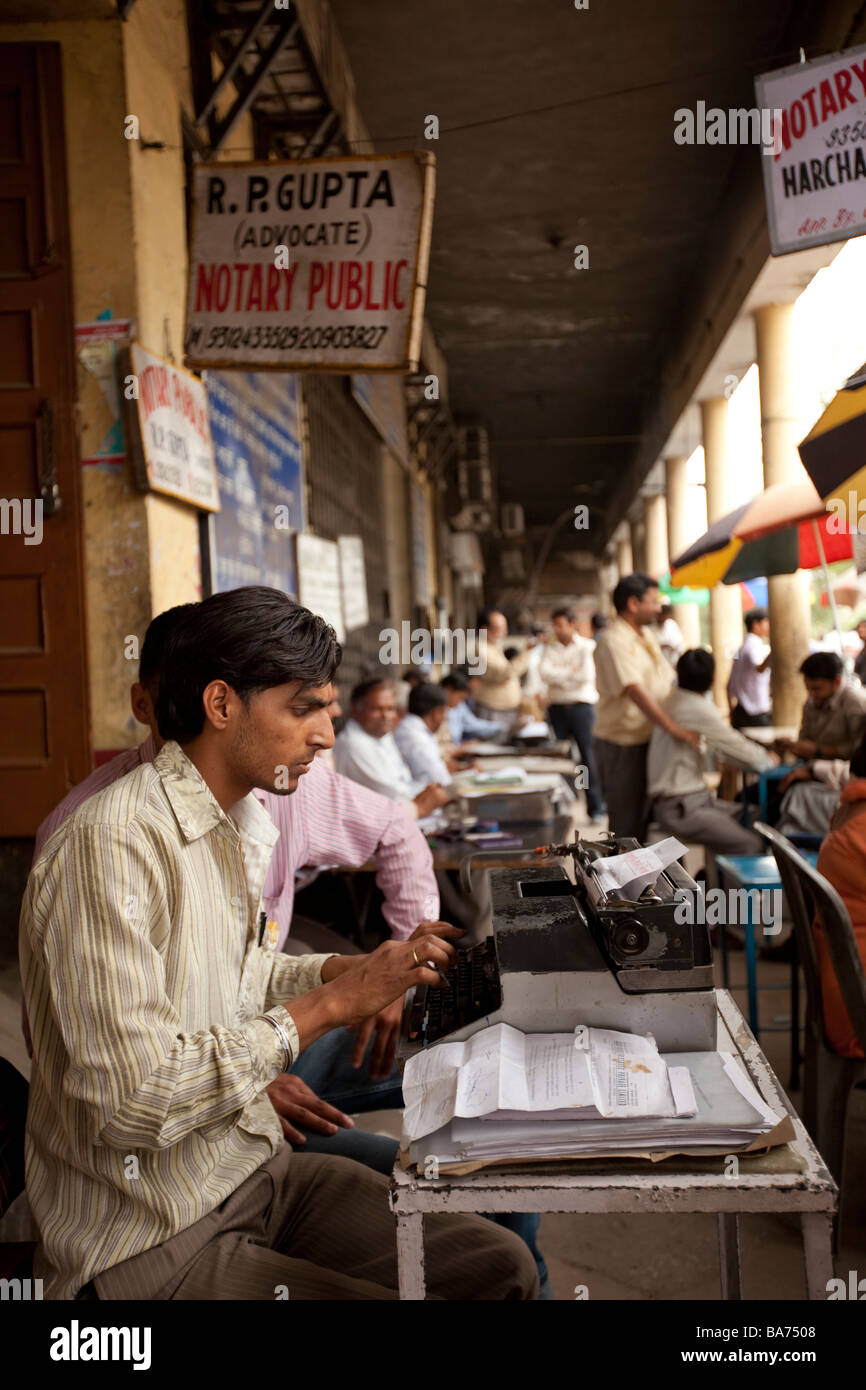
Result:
129,255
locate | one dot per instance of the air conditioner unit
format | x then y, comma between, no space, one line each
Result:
512,520
474,477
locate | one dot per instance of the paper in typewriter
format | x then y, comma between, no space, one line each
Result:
627,875
502,1074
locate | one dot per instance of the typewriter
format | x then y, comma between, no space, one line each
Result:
565,952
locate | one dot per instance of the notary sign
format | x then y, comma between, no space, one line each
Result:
314,264
172,448
815,174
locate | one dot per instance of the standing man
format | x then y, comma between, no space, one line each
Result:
749,681
633,677
499,692
567,673
161,1010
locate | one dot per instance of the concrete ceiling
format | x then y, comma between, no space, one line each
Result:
556,129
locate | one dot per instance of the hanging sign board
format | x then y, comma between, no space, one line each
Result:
317,264
171,441
256,431
353,582
815,170
319,580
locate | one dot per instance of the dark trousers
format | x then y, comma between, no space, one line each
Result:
622,770
741,719
577,722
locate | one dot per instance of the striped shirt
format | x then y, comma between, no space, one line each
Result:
148,996
329,820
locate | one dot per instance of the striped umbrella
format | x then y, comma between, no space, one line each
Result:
783,529
834,450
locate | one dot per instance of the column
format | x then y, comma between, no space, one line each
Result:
624,556
656,533
638,544
726,623
688,615
789,593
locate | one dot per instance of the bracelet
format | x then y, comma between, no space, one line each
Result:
283,1038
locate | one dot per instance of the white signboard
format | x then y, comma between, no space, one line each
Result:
174,446
310,264
353,582
815,174
319,580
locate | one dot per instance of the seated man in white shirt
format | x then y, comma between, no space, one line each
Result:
415,735
680,800
366,750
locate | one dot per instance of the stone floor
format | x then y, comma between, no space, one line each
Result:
651,1257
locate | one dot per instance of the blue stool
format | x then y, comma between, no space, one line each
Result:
754,871
773,774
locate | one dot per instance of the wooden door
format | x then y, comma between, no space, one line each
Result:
44,724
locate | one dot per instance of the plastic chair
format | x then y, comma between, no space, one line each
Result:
828,1077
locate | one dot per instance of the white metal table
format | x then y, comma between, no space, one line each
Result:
765,1184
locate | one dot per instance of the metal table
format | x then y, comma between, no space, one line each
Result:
766,1183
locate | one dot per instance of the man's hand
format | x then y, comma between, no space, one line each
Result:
690,736
431,797
296,1104
386,1023
801,747
797,774
384,976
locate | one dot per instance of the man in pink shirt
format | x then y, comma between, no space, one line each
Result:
328,820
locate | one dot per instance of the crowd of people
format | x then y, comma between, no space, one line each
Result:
227,1061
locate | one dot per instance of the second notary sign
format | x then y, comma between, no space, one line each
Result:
314,264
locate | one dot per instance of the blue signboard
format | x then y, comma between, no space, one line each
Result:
255,425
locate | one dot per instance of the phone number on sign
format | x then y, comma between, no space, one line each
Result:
293,337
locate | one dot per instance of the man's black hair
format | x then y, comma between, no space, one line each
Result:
415,673
154,644
252,638
366,687
754,615
458,680
632,586
484,616
599,622
695,670
425,698
567,613
822,666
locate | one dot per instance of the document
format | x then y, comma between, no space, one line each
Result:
627,875
502,1074
716,1109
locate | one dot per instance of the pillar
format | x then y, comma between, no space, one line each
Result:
638,544
688,615
624,556
656,533
788,593
726,622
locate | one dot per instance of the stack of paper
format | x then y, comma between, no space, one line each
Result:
505,1094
